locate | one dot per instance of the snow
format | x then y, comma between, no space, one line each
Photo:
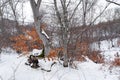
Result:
43,32
36,52
86,70
107,50
104,45
29,37
111,53
13,67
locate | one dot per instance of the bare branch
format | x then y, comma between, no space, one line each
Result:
113,2
69,3
93,3
3,4
39,3
99,14
75,10
62,3
13,5
57,12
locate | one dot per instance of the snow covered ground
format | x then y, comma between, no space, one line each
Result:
13,67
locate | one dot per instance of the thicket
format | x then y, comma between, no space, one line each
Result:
27,41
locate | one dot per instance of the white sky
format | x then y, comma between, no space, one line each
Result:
29,16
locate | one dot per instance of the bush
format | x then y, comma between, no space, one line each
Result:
96,57
27,41
116,61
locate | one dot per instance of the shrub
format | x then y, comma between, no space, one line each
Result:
96,57
116,61
27,41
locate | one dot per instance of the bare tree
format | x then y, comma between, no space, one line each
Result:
1,18
23,16
64,21
87,5
35,5
13,5
3,34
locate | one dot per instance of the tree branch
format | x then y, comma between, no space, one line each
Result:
113,2
75,10
38,3
99,14
4,3
69,3
57,12
93,3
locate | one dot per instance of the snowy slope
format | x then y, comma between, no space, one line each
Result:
13,67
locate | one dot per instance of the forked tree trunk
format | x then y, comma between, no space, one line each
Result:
64,27
37,20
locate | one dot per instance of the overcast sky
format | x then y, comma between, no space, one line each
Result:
29,16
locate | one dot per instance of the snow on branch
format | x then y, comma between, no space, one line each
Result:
43,32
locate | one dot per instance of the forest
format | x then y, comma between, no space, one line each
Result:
69,34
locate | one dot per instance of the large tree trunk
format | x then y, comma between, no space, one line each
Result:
37,19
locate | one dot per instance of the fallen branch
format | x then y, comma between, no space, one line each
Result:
50,67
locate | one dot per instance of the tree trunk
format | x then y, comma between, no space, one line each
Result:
37,20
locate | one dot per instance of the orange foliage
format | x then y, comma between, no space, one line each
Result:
96,57
20,45
33,34
54,53
82,51
116,62
19,37
82,47
27,41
